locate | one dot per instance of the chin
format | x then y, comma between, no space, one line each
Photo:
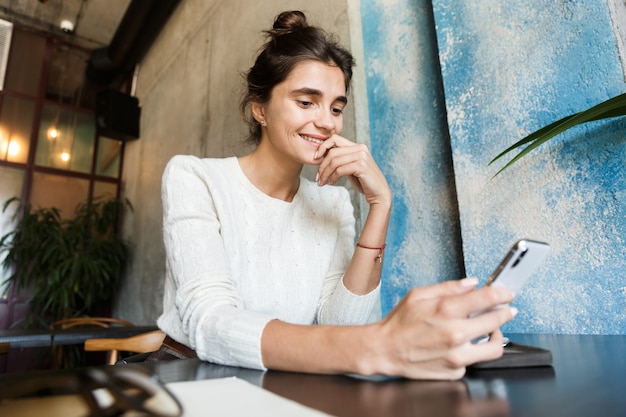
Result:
310,162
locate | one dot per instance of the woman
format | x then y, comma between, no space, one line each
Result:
262,267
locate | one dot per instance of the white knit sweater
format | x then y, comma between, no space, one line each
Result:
238,258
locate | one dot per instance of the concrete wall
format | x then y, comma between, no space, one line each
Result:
189,87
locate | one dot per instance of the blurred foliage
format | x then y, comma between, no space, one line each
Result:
66,265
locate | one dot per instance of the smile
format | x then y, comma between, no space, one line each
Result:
310,139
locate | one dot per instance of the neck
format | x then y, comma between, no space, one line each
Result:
275,178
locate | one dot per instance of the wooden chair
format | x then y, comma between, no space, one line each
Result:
89,321
4,348
60,356
141,343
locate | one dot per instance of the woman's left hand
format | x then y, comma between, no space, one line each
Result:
344,158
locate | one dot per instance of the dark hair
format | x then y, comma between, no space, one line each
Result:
290,41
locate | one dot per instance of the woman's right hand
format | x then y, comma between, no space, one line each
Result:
429,334
341,157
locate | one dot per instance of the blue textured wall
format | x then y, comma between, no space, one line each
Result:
409,140
508,69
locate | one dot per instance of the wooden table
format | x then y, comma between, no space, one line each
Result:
587,378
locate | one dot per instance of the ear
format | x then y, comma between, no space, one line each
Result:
258,111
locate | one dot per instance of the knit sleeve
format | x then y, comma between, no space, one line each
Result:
337,304
206,312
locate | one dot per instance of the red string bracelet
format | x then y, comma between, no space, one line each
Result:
381,251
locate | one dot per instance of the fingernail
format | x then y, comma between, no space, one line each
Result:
514,311
317,177
315,155
469,282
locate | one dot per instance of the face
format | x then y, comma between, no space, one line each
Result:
303,111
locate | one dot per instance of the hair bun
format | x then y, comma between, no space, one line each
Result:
288,22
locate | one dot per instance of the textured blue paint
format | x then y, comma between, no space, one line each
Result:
508,69
409,140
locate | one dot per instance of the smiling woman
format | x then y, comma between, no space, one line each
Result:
264,269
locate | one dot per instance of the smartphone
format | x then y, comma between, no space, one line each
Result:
519,264
516,268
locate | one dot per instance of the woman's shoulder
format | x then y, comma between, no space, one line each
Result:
192,161
208,170
190,164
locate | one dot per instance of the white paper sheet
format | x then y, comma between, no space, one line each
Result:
226,397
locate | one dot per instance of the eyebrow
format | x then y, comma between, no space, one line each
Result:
315,92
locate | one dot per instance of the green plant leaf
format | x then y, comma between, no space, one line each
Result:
613,107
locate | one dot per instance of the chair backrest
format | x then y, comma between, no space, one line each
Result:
4,348
141,343
89,321
60,357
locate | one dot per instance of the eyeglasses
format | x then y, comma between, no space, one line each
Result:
120,390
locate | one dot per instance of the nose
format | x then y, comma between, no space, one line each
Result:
326,120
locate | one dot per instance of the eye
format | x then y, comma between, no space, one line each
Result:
304,103
338,111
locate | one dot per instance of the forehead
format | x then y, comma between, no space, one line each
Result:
316,75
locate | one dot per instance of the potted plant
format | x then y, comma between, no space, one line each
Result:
68,266
612,107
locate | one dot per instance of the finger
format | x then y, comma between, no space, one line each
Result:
454,301
334,141
489,350
486,298
447,288
490,322
341,166
343,161
451,362
323,149
470,353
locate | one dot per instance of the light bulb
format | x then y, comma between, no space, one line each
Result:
9,148
53,133
14,148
